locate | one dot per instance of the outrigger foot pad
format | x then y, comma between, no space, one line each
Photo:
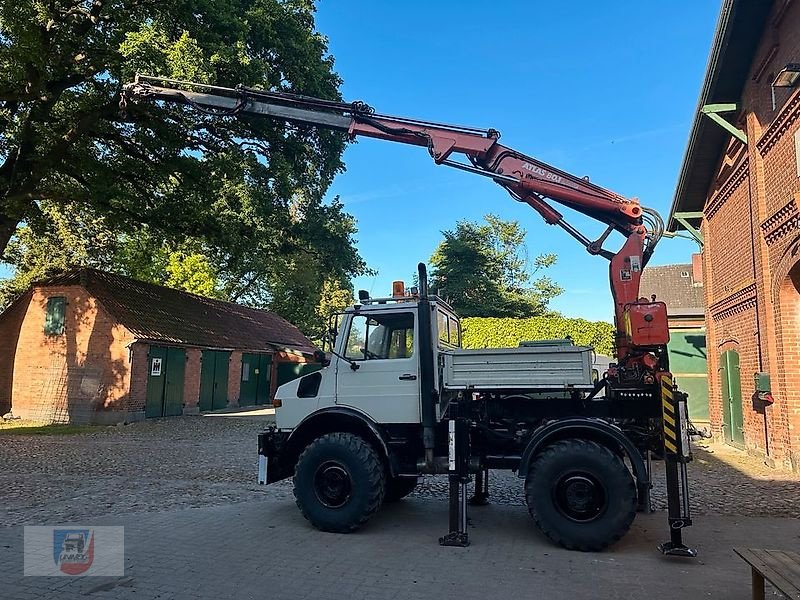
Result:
479,500
671,549
455,538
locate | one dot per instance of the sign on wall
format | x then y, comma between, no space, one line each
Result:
155,367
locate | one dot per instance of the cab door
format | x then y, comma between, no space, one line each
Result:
382,377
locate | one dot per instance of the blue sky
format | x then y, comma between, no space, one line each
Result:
604,89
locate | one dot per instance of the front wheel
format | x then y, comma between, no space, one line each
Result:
339,482
581,495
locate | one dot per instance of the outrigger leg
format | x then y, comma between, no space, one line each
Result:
458,442
677,453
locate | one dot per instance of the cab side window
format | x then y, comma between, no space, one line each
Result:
385,336
455,332
449,330
442,321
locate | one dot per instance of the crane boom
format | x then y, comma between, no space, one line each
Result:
526,179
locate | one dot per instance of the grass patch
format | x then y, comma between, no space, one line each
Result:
24,427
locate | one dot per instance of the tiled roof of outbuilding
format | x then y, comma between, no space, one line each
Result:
675,286
162,314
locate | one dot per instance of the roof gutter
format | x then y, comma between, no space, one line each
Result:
273,347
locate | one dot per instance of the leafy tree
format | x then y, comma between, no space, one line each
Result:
484,271
164,189
335,297
58,240
192,272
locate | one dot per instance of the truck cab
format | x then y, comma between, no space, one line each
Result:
374,364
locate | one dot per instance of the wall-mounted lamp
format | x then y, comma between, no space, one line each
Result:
786,78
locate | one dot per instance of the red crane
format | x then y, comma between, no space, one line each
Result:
641,324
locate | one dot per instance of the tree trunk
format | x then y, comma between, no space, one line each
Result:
8,225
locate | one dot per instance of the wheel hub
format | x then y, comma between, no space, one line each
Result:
332,484
580,497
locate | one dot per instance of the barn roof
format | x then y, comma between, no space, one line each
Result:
161,314
675,286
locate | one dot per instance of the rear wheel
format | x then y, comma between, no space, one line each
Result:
398,488
339,482
581,495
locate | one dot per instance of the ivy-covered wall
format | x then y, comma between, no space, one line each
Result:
479,332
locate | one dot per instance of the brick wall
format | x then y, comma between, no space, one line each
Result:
10,323
752,251
140,370
234,378
70,377
191,385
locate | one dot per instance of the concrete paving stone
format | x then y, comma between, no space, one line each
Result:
198,527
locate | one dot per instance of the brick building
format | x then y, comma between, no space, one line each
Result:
680,287
90,346
738,192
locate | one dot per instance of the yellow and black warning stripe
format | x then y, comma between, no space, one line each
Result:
669,415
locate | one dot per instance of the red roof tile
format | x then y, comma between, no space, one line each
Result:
158,313
675,286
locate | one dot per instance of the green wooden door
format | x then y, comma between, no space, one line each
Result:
221,365
165,382
248,386
732,418
156,359
214,379
264,379
207,379
255,379
173,383
687,361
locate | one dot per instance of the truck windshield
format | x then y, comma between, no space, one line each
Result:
381,336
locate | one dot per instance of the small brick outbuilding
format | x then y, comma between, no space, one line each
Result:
92,346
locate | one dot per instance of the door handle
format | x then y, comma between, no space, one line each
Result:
407,377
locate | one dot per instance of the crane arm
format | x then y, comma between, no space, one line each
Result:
526,179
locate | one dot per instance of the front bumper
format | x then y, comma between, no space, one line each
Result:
271,463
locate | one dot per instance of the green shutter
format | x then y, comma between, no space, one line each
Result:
54,315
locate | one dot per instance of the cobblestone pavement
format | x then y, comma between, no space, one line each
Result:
155,465
166,464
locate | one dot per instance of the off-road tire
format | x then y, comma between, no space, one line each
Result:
398,488
353,455
578,458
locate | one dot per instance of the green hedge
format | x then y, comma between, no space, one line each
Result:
480,332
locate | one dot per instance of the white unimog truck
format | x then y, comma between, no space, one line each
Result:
401,399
